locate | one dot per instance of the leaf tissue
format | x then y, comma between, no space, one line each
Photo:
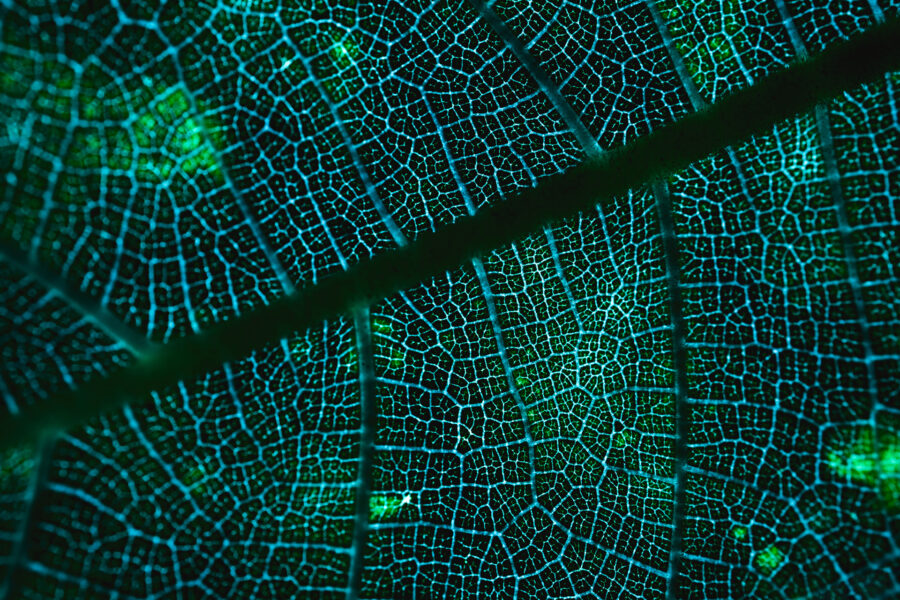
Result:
428,299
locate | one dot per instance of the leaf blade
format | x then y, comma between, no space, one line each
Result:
857,61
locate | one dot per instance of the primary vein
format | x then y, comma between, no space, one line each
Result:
670,148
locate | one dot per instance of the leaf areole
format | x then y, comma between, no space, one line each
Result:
734,118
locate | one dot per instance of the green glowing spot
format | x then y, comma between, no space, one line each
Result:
192,479
381,325
149,170
397,358
769,559
720,48
861,463
341,72
11,82
175,138
739,532
65,81
344,51
163,136
387,506
16,465
90,147
622,439
522,381
145,130
732,26
119,150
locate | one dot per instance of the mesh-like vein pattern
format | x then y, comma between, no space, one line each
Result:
168,165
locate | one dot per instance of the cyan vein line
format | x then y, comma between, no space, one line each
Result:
552,91
669,148
497,329
365,349
560,273
92,311
827,147
281,273
365,352
876,11
549,88
788,501
594,152
368,423
36,489
697,101
86,306
361,322
487,293
853,276
554,94
679,350
670,246
386,218
679,365
53,177
832,174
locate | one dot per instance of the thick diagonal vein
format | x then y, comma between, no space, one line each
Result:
736,117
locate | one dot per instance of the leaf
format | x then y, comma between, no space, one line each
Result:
685,390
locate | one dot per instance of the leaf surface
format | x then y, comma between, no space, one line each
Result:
686,390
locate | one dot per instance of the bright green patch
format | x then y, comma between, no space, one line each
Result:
738,532
397,358
340,76
12,83
382,506
769,559
381,325
344,51
863,464
90,148
173,137
149,129
163,135
622,439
